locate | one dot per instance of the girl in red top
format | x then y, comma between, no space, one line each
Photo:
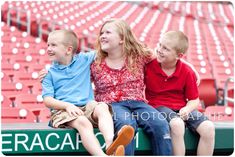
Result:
118,75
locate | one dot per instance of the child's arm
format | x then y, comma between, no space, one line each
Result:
60,105
190,106
195,71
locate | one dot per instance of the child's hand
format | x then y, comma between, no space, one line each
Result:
74,110
184,113
42,74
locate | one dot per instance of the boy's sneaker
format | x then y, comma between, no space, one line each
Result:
124,137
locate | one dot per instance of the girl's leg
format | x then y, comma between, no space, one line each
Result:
89,141
123,116
105,122
155,126
206,143
177,129
177,136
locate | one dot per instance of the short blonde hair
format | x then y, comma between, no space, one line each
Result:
69,38
179,41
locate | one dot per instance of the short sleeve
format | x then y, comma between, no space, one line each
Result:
191,89
90,56
47,86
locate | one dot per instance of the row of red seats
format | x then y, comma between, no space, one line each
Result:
19,54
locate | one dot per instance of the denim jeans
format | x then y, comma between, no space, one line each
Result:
139,114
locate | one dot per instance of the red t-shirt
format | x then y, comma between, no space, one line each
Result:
170,91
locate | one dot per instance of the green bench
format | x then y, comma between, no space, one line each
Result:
39,139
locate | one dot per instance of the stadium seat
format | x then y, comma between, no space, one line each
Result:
209,27
31,102
5,77
12,89
231,96
220,113
208,92
5,102
17,115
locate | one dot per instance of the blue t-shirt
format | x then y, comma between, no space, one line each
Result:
70,83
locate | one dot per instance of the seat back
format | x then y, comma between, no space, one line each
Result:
220,113
207,92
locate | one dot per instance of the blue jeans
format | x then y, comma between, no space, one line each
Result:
139,114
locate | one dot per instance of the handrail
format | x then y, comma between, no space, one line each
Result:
49,22
226,98
18,21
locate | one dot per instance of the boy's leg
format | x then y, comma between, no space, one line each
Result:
89,141
155,126
177,136
197,122
206,131
177,129
122,116
105,122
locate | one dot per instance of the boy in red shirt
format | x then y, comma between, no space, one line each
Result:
171,88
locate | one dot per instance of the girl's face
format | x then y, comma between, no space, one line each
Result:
109,38
56,50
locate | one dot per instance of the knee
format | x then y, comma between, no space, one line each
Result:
206,130
83,122
177,127
101,109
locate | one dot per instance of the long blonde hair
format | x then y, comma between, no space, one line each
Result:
132,48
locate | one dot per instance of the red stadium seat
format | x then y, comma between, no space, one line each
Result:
209,27
208,92
220,113
17,115
5,102
231,95
13,89
32,102
29,101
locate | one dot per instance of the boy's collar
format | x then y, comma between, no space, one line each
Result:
57,65
177,69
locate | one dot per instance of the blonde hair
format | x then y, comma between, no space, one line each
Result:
132,48
69,38
179,41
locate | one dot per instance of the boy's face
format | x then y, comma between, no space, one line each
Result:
109,38
165,51
56,50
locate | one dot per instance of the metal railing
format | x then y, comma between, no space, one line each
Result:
226,98
51,25
18,17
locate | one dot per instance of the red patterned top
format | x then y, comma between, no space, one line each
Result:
112,85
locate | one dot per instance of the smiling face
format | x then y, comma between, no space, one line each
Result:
172,46
166,52
56,50
109,38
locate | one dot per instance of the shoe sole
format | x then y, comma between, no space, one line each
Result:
124,137
120,151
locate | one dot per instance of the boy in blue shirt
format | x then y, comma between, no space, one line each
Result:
68,92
